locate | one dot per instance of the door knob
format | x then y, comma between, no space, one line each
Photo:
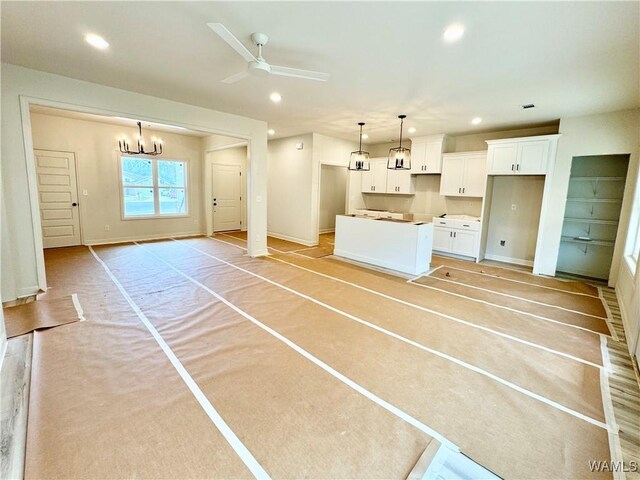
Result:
74,204
215,204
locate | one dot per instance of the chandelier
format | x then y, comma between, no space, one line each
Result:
157,145
359,160
399,157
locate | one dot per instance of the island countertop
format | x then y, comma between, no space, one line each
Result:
400,245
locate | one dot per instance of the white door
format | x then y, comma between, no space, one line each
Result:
532,157
464,243
503,158
452,176
227,202
442,239
58,197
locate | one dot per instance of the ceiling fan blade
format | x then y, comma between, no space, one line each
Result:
236,78
233,42
298,73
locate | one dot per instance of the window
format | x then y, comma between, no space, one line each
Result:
153,188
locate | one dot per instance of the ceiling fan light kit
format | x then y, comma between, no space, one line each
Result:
359,160
258,66
399,157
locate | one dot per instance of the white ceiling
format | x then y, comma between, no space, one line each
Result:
385,58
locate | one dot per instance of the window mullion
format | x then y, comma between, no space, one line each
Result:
156,188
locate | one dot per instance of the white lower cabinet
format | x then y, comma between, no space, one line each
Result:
459,237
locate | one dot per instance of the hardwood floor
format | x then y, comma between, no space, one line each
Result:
625,389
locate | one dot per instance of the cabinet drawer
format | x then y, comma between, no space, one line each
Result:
456,223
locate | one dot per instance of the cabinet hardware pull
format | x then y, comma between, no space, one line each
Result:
465,225
451,234
463,189
454,234
518,167
512,167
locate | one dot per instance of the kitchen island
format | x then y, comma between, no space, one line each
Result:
399,245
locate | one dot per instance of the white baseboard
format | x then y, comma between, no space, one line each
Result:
166,236
327,230
292,239
515,261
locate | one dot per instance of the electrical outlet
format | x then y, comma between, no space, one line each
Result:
107,228
85,192
513,206
502,243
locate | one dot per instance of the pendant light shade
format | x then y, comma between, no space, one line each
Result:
359,161
399,157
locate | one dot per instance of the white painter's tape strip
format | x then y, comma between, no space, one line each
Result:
502,307
413,343
519,281
609,318
371,396
445,316
78,307
237,445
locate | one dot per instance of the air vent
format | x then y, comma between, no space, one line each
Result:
527,105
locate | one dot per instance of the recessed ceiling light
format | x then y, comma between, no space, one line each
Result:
476,120
453,33
412,130
271,131
96,41
365,136
275,97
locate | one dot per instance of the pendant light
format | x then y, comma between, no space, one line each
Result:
359,161
124,145
399,157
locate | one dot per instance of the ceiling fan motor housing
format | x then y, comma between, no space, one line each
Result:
260,69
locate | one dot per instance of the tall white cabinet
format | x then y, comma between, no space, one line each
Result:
426,153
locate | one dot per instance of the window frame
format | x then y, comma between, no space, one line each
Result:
155,187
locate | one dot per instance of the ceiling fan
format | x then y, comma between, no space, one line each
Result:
258,66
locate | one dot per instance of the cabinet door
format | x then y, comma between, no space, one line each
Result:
452,176
405,183
442,239
433,157
532,157
464,243
392,181
503,158
380,176
367,181
475,177
418,157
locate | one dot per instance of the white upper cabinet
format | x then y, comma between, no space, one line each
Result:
426,153
521,156
400,182
379,179
464,174
375,180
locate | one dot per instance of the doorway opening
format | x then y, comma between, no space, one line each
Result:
226,186
333,196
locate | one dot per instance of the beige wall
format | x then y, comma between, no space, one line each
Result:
289,212
472,142
333,195
519,227
226,156
21,239
97,164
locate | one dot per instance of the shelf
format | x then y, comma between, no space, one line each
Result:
594,221
595,200
598,179
602,243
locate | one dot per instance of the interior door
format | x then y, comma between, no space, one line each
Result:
227,202
58,198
